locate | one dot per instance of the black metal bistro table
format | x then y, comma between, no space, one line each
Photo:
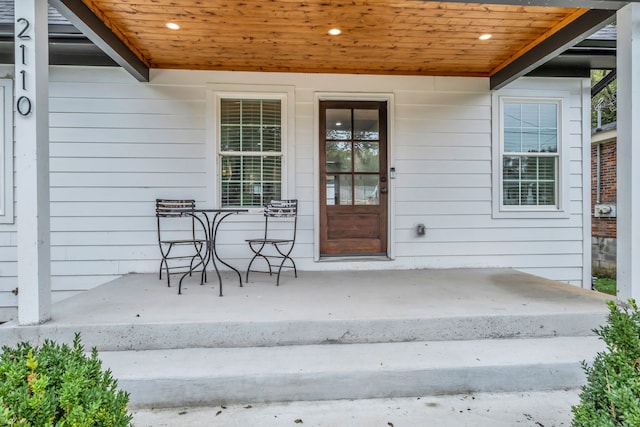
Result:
210,220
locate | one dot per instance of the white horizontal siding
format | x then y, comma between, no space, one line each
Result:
117,145
8,250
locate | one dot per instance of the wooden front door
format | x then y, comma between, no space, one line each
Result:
353,178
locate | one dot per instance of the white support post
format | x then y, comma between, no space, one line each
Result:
31,104
628,147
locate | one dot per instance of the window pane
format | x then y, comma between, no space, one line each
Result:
271,111
345,190
251,140
250,180
366,156
529,180
512,140
331,190
271,139
250,125
251,111
549,140
529,118
366,189
338,124
230,111
547,168
549,116
532,128
512,115
230,138
365,126
338,156
530,141
338,190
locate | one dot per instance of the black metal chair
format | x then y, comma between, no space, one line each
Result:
167,212
277,244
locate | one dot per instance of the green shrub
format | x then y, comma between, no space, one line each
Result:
611,396
58,385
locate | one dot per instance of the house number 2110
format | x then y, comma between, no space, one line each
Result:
23,103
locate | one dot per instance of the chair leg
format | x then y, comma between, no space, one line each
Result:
164,265
257,254
285,257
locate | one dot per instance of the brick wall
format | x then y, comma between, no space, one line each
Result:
604,227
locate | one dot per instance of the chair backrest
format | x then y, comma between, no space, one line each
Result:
167,207
281,209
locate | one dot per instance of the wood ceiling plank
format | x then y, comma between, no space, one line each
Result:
246,34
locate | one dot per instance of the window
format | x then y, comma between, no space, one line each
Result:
529,163
530,154
251,130
250,151
6,152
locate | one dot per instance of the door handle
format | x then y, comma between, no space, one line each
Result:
383,190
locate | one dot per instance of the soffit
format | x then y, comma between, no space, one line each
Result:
378,36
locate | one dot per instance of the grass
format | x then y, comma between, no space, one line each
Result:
607,286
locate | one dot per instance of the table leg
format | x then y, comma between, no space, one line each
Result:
215,253
203,261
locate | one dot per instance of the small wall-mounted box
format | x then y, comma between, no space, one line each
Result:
604,211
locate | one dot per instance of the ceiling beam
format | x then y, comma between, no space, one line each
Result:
586,4
568,36
83,18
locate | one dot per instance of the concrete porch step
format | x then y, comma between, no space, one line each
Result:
156,336
214,376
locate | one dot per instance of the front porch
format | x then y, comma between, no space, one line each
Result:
342,306
332,335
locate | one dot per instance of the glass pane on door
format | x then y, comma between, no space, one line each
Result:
339,190
365,125
346,190
366,189
338,124
338,156
366,156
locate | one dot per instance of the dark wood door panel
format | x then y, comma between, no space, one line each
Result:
353,226
353,178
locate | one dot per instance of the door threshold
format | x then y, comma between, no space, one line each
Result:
354,257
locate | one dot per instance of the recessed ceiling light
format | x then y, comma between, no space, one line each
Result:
485,37
334,31
172,26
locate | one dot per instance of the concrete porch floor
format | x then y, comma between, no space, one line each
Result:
314,295
416,333
139,312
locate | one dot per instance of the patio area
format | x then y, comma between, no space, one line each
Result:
319,307
407,333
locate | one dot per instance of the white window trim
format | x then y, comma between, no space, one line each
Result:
561,210
6,151
215,92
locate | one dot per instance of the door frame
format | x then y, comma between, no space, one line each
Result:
346,96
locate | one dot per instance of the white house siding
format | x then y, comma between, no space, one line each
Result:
117,144
8,252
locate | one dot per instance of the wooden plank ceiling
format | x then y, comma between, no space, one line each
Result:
409,37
